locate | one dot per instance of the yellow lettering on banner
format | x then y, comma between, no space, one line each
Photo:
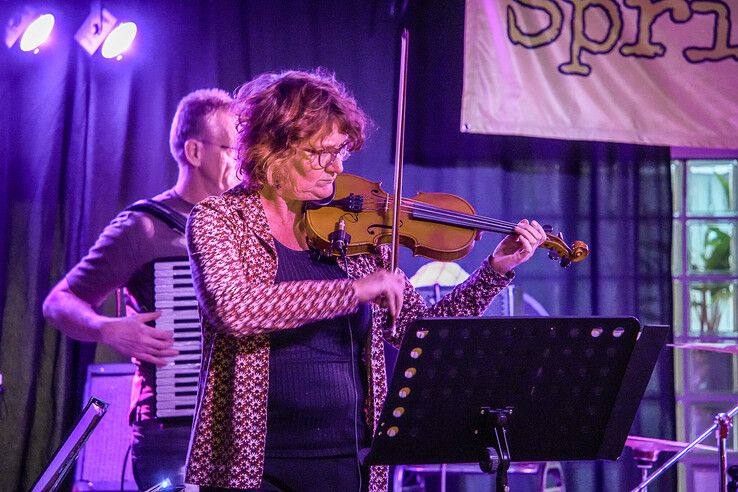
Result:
721,47
579,40
648,12
543,37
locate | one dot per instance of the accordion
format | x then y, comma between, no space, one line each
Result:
174,296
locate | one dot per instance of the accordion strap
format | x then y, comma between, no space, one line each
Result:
161,211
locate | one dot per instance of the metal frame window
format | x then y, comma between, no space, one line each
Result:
705,273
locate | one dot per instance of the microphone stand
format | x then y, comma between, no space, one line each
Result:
721,427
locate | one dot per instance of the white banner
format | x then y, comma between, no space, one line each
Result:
656,72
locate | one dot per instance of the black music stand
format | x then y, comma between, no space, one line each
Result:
64,457
496,390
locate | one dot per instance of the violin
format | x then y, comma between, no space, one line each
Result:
439,226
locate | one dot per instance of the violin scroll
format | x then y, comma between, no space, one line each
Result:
559,250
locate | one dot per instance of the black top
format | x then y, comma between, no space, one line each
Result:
317,382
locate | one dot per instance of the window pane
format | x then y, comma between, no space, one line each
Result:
711,187
712,308
711,246
705,477
709,372
701,418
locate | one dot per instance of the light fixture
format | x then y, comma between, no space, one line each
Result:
444,274
37,33
31,27
102,28
119,40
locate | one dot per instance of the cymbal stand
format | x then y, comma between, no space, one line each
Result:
724,422
721,427
645,460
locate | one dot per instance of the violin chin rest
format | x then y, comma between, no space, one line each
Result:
313,204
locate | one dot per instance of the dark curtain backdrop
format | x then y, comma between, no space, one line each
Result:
82,137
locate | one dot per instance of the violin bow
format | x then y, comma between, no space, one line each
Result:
399,149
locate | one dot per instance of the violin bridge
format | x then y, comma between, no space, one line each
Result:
355,203
352,203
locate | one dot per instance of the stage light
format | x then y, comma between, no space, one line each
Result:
102,28
31,27
119,40
165,484
37,33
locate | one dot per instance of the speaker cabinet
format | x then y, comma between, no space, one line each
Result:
102,459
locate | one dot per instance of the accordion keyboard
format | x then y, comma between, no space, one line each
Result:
174,296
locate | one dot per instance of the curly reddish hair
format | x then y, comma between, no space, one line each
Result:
279,112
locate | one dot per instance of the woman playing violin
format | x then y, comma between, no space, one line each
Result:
293,374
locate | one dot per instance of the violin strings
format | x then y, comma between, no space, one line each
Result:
450,216
427,206
456,218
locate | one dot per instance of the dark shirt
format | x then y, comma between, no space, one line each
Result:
122,256
316,377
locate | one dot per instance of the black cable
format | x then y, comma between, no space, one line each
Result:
123,472
3,405
353,381
345,263
356,401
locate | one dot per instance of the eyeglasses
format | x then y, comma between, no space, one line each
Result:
327,157
231,151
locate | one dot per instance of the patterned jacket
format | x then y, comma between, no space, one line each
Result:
234,264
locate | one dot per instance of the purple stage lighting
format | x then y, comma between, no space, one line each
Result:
37,33
119,40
